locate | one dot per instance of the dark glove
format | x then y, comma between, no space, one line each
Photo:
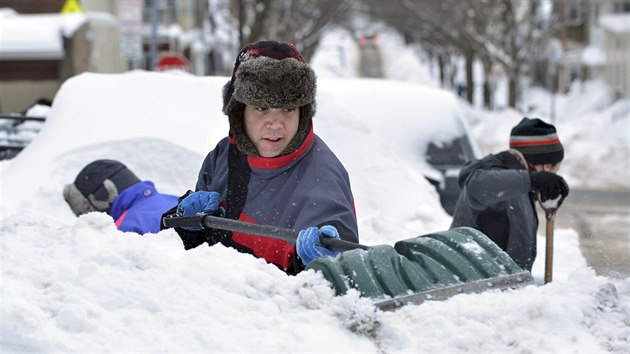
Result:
307,244
549,185
199,202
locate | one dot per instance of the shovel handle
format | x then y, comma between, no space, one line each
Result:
280,233
550,215
336,245
549,251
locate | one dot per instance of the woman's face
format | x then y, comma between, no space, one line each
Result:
271,129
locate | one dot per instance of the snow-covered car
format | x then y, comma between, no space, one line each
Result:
420,123
18,129
448,158
392,137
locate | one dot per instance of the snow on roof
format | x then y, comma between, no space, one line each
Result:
619,23
593,56
35,36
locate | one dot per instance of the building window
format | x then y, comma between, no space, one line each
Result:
167,11
575,14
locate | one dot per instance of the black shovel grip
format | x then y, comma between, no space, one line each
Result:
285,234
336,245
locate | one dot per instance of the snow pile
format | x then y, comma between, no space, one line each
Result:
84,286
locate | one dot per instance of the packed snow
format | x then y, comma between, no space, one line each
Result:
79,285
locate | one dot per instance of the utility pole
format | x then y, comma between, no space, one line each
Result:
153,46
241,23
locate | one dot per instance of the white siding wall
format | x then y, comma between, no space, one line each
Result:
617,68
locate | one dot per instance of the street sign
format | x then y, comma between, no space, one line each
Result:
172,61
554,50
130,27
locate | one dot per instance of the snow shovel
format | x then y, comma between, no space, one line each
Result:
289,235
429,267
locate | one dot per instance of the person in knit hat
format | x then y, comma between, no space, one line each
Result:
499,191
272,169
109,186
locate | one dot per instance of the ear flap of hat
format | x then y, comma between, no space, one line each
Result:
108,191
304,127
236,118
100,200
77,202
228,90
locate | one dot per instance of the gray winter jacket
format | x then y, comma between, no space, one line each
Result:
496,199
309,187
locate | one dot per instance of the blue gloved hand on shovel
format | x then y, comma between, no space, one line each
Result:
307,243
198,202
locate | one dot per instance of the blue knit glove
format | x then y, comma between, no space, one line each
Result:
307,243
198,202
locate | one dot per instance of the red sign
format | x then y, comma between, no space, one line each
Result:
167,62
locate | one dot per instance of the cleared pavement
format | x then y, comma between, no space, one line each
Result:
602,220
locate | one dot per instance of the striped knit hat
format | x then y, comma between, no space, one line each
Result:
537,141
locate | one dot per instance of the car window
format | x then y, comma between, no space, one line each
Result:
449,153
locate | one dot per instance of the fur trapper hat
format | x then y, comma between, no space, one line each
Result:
269,74
97,185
